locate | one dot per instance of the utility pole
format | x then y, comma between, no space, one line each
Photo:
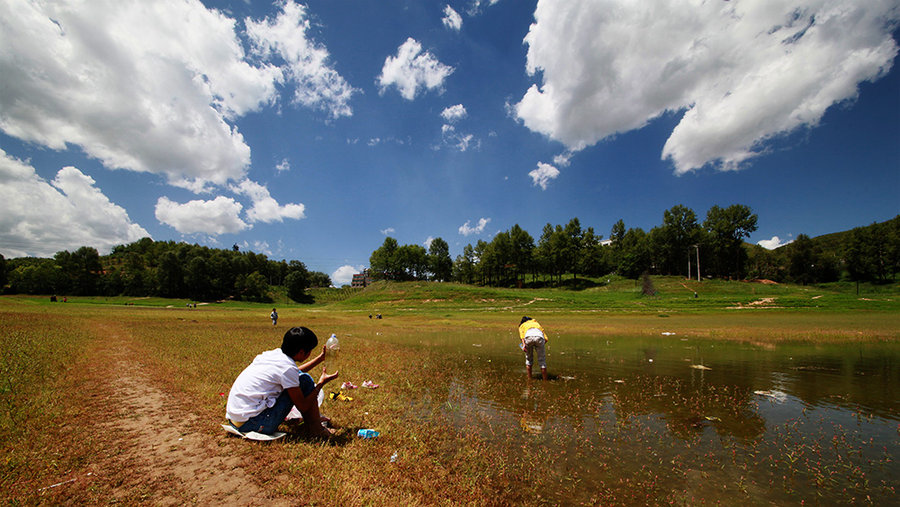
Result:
698,261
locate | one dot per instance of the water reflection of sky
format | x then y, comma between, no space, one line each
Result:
762,412
857,377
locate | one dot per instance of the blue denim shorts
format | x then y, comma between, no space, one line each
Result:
269,419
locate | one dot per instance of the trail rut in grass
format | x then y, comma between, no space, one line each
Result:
166,457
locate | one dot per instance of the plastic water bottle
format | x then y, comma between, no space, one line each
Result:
367,433
332,343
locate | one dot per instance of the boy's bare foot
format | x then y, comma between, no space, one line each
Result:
322,432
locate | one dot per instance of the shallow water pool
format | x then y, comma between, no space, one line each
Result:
671,419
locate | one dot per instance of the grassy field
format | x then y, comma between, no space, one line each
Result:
118,400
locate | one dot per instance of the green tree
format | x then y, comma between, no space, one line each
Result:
253,287
572,244
296,282
319,279
591,261
81,270
412,262
635,254
4,279
480,250
616,236
198,278
497,258
868,252
726,228
892,236
134,274
679,232
34,276
383,261
169,276
522,251
464,265
439,262
803,260
764,264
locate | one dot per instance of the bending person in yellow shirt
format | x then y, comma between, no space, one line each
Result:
533,339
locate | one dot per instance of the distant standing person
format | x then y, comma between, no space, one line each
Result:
274,317
533,339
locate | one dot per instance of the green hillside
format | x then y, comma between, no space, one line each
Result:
616,294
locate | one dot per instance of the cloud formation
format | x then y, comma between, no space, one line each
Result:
466,230
542,175
475,6
452,19
123,78
265,208
457,140
772,244
454,113
450,136
412,70
739,72
344,274
319,86
217,216
38,218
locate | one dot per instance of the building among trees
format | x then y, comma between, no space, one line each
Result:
361,280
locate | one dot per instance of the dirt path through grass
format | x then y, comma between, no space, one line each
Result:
156,450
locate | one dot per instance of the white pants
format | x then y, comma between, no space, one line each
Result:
533,343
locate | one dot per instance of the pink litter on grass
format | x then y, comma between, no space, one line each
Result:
350,385
370,385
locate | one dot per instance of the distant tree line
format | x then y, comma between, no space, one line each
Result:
160,268
411,262
865,254
512,258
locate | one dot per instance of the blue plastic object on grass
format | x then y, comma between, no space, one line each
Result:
367,433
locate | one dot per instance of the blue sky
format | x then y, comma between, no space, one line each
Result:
313,130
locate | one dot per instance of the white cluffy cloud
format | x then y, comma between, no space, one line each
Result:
222,215
122,78
454,113
449,135
388,231
412,70
217,216
265,208
542,175
38,218
475,6
775,242
457,140
452,19
742,72
284,165
466,230
319,85
344,274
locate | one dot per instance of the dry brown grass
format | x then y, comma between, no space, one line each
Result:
122,405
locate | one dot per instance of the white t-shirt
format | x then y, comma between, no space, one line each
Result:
260,384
